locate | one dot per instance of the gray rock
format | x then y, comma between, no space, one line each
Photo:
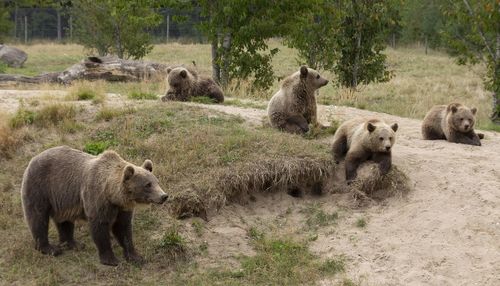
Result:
13,57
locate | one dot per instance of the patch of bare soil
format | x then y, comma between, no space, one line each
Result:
446,231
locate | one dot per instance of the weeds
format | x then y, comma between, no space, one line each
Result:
142,95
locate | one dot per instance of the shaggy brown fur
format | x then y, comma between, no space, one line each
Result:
454,123
66,184
293,107
360,140
185,83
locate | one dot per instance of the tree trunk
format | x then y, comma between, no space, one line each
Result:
215,65
59,30
495,116
168,27
354,83
426,44
226,47
15,22
394,40
25,29
71,28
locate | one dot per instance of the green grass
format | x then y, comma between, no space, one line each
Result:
317,217
142,95
50,115
361,223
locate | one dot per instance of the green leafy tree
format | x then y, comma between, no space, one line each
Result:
472,35
314,35
238,31
5,23
422,21
117,27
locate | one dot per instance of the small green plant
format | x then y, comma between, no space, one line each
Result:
316,217
96,147
138,95
22,118
87,91
197,227
255,234
3,67
333,266
172,243
106,113
361,223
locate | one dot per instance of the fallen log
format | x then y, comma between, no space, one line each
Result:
97,68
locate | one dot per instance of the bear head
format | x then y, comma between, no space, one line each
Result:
141,186
461,118
312,78
381,136
179,79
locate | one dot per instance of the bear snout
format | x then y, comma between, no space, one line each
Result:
387,148
163,198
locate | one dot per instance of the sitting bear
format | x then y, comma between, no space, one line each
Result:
360,140
454,123
293,107
66,184
185,83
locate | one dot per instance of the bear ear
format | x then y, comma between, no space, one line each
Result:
394,127
303,71
128,172
183,73
148,165
169,70
452,107
473,110
370,127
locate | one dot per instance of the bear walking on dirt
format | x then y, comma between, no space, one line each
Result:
360,140
185,83
67,184
453,122
293,107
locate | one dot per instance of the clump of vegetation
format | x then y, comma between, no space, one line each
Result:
137,95
244,103
107,113
333,266
50,115
322,131
361,223
96,147
317,217
172,244
83,90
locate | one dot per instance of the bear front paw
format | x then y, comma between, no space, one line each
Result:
50,250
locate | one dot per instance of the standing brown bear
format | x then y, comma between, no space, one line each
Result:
360,140
454,122
185,83
66,184
293,107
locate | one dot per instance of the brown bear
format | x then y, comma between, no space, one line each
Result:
67,184
185,83
293,107
360,140
453,122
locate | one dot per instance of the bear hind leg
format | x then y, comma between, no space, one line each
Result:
38,221
296,125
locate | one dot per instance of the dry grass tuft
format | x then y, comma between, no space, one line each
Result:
378,187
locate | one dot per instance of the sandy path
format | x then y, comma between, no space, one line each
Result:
445,232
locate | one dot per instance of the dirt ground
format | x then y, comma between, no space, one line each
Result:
446,231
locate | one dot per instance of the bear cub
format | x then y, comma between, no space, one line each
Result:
360,140
67,184
453,122
185,83
293,107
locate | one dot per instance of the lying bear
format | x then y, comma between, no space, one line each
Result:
185,83
360,140
453,122
66,184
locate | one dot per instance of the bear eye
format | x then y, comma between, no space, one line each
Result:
317,76
461,119
148,185
381,138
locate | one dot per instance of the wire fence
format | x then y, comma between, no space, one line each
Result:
32,24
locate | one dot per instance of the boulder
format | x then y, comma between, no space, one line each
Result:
13,57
